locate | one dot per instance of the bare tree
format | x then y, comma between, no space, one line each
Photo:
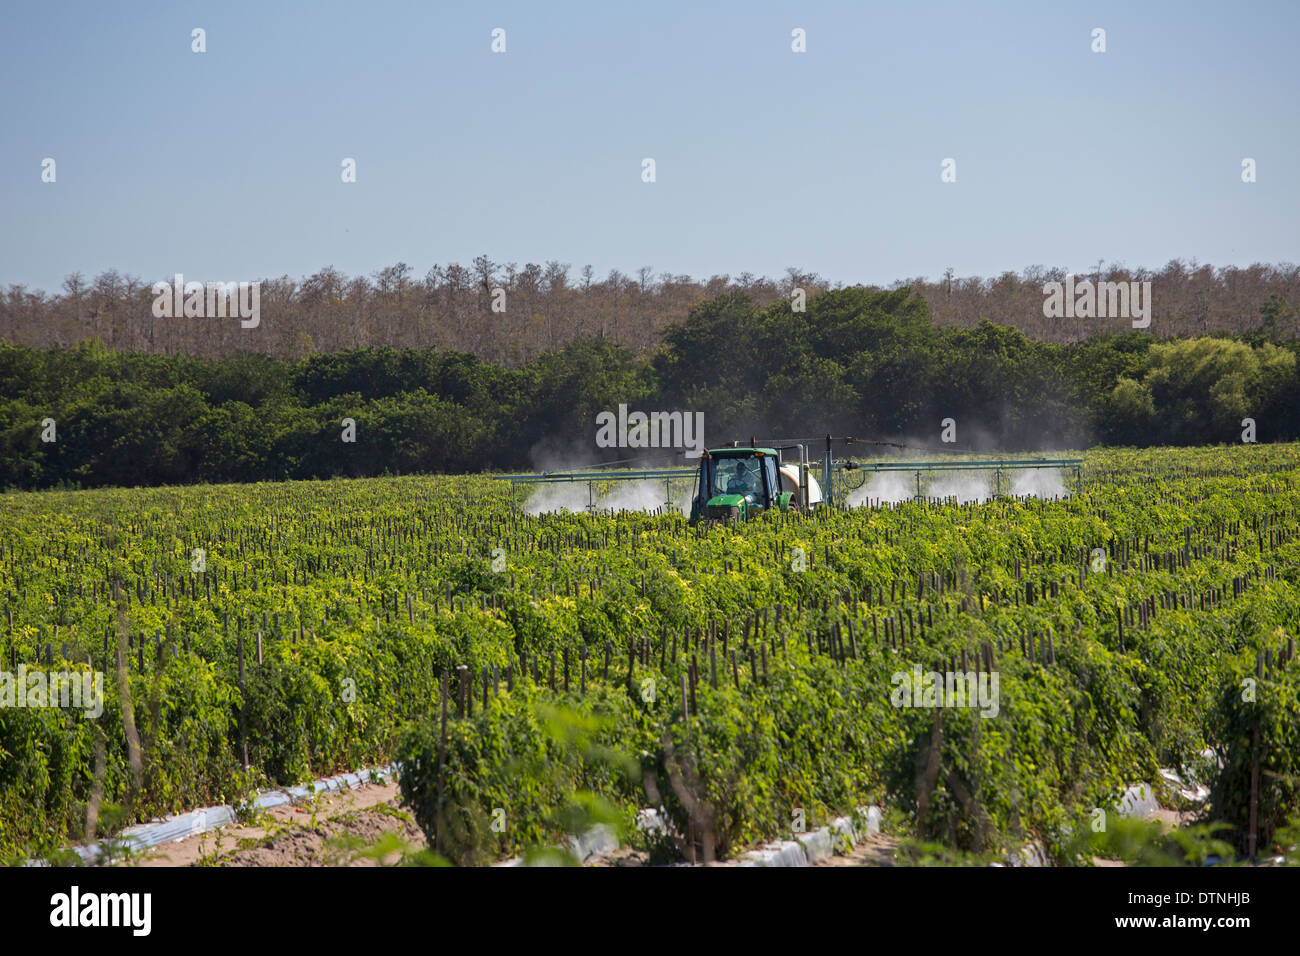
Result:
450,307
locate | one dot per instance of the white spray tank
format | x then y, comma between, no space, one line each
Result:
808,494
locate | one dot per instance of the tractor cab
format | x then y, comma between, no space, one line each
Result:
737,482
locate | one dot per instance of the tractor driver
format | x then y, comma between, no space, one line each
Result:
744,481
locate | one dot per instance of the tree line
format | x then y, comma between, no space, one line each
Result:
547,306
871,364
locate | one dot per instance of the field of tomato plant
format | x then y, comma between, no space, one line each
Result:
591,665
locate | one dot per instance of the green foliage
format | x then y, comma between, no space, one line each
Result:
1258,725
517,775
856,362
1194,386
1149,843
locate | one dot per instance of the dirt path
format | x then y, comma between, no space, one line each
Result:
326,831
876,850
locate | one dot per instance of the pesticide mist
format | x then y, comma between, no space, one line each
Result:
966,488
647,496
558,497
889,487
1040,483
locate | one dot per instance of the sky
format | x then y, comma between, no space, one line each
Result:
226,165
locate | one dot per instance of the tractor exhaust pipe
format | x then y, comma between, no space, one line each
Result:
828,477
803,478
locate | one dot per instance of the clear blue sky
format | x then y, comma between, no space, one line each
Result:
225,165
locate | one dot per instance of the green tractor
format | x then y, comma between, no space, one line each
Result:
735,483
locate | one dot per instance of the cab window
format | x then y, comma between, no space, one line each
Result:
772,480
737,476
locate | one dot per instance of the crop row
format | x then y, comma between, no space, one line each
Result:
265,634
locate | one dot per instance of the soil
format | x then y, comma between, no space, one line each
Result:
876,850
331,830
